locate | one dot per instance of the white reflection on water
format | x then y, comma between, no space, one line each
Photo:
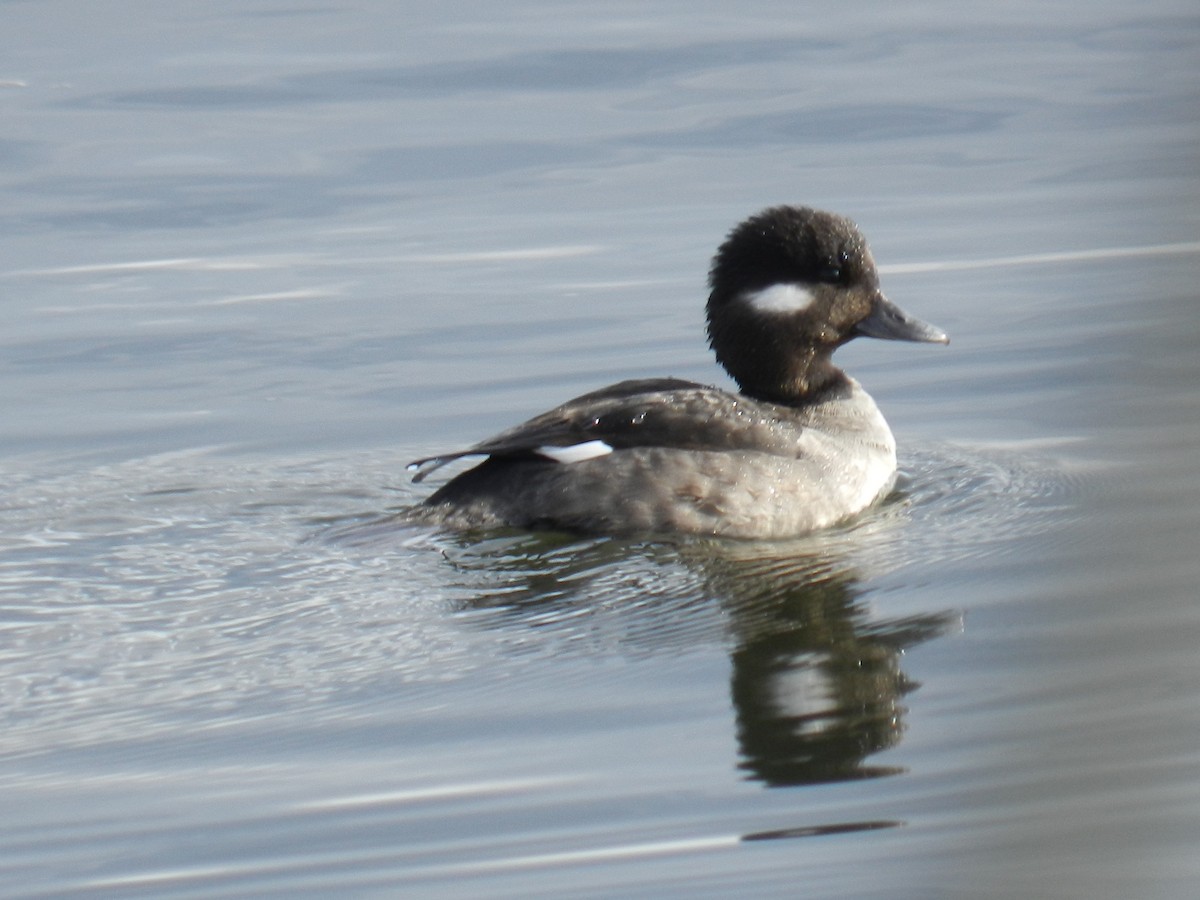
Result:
1185,248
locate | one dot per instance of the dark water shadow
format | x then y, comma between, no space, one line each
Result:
816,683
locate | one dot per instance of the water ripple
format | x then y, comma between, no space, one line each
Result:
198,586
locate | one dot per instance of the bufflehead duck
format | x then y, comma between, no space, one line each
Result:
801,447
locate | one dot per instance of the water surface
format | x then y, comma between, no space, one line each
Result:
259,257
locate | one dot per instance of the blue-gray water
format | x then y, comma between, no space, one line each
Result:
257,256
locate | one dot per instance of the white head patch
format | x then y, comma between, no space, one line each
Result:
779,298
576,452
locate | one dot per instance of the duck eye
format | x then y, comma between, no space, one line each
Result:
832,270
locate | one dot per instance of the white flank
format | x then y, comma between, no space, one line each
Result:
780,298
576,452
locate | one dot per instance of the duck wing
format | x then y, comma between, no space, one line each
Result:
659,412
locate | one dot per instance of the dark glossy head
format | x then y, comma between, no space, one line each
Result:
789,286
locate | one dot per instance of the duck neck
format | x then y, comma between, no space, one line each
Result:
801,381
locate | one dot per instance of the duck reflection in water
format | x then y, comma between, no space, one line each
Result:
817,687
816,681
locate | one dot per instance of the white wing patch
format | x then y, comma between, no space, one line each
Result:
779,298
575,452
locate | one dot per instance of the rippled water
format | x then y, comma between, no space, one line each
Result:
223,571
260,257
